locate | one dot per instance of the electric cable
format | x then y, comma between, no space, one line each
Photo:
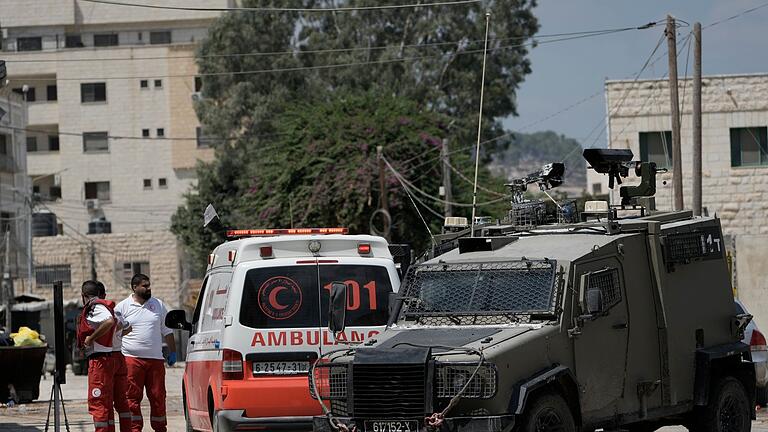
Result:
283,9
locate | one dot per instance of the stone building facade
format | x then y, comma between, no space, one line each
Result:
734,160
115,258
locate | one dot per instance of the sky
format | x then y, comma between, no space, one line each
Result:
567,72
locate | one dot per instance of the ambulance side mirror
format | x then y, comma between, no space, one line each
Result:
337,311
177,320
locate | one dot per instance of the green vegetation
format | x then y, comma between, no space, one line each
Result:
303,142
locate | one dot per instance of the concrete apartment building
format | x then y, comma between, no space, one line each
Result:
15,213
112,132
735,161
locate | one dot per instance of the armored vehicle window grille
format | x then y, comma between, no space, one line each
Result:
389,391
451,378
330,381
527,214
480,293
683,247
607,281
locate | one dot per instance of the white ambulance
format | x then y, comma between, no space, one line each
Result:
261,319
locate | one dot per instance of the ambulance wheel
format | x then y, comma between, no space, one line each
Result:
212,412
186,409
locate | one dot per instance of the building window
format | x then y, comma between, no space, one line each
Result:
95,142
93,92
3,144
597,188
160,132
144,84
97,190
29,44
131,268
46,275
6,222
749,146
53,143
203,141
162,182
656,147
198,84
30,96
105,40
147,183
145,133
161,37
73,41
52,92
31,144
158,83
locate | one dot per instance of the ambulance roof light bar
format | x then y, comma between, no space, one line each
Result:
284,231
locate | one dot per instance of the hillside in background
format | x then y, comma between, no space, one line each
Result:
526,153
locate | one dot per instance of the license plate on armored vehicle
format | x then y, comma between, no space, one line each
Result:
280,368
391,426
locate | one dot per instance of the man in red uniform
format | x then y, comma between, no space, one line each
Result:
94,333
120,387
143,351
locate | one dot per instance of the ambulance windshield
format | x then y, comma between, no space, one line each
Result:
297,296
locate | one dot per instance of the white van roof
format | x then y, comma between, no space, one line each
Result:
231,253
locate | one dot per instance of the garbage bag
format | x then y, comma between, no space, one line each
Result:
27,337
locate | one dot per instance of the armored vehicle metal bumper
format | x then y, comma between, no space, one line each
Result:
450,424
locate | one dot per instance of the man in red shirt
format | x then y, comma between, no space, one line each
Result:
143,351
120,387
94,333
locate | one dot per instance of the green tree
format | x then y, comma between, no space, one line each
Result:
322,170
431,55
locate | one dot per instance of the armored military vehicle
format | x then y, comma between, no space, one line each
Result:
624,319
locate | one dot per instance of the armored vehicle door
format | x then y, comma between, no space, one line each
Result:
600,340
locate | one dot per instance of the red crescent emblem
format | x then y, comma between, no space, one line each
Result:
290,300
273,298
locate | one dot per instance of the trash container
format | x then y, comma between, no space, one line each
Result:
27,366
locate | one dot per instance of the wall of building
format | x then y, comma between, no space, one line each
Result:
14,210
738,195
111,251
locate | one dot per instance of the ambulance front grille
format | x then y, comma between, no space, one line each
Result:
389,391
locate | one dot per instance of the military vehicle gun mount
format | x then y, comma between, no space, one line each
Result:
617,163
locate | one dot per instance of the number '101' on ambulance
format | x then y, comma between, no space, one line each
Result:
262,317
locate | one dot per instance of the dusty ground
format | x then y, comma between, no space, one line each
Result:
31,417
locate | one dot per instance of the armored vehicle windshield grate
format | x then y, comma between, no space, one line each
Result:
480,293
607,281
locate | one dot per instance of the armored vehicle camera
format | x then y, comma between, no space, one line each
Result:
617,163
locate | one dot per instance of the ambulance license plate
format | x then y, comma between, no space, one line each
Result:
280,368
391,426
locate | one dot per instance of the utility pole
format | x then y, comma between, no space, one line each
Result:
7,285
92,250
697,119
383,204
446,178
677,163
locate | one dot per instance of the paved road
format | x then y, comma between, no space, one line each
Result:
31,417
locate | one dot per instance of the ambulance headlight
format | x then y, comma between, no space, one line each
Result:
314,246
451,378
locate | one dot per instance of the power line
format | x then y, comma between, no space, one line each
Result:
732,17
584,33
338,65
284,9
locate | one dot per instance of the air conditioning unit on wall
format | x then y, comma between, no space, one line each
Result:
92,204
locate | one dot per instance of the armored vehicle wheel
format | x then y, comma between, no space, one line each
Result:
548,413
728,409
